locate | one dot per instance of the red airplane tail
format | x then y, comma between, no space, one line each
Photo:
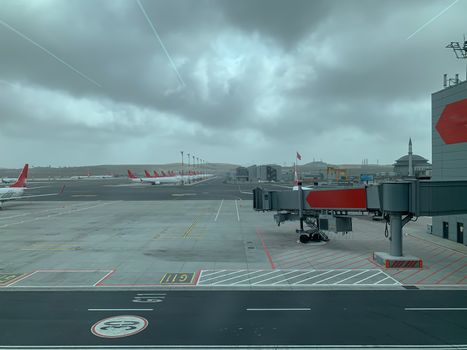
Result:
156,174
163,174
131,175
147,173
21,181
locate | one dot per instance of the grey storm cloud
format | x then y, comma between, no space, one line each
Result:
263,78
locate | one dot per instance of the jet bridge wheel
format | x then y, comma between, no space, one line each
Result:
304,238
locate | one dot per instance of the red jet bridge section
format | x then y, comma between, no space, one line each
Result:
397,202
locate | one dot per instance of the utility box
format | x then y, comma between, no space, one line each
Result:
335,223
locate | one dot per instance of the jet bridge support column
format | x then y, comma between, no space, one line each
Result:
395,248
395,203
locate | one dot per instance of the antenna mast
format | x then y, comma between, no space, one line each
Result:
460,51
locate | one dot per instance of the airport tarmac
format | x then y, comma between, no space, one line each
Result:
123,189
201,236
103,238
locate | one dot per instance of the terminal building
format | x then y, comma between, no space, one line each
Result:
265,173
449,149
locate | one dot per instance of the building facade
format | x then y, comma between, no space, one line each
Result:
449,147
265,173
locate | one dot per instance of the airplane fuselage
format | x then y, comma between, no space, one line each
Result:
10,192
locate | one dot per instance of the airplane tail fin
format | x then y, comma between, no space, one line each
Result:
147,173
163,174
131,175
156,174
21,181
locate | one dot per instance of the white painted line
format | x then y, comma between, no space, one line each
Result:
205,274
271,278
309,278
331,277
282,309
284,280
348,278
236,206
384,279
120,309
103,278
232,278
252,278
219,210
377,273
14,216
22,278
228,274
435,309
143,294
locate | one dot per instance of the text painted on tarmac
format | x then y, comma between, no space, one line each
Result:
119,326
177,278
6,278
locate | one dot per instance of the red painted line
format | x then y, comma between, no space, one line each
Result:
330,254
319,256
437,271
195,282
304,263
266,250
461,280
345,261
355,265
450,274
412,274
285,256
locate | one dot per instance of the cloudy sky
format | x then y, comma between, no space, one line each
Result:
245,81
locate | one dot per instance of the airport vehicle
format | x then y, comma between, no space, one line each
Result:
16,190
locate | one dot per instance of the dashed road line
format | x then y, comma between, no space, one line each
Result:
236,206
219,210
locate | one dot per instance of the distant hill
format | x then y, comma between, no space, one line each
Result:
116,170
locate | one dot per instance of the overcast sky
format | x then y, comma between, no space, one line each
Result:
248,81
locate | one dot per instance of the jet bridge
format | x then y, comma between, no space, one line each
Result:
397,202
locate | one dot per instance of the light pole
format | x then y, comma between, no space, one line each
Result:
194,171
188,154
182,165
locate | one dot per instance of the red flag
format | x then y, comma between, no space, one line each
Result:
299,157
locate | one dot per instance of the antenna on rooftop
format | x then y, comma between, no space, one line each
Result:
460,50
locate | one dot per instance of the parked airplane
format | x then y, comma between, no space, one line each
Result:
89,176
16,190
8,180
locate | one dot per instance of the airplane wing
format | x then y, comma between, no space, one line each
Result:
35,195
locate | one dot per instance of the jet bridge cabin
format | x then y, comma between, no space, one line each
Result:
328,209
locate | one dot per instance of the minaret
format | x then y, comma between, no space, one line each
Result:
410,158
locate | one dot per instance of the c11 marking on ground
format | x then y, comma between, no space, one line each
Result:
178,278
6,278
277,278
119,326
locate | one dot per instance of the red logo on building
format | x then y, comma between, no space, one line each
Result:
452,124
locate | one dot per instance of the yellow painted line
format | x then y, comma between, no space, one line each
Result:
192,226
6,278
